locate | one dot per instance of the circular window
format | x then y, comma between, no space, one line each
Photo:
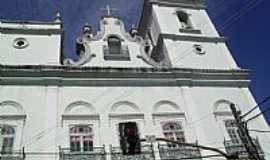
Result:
20,43
198,49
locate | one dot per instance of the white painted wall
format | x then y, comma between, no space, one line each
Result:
44,129
43,49
183,55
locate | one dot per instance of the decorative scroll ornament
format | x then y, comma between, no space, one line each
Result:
83,48
145,55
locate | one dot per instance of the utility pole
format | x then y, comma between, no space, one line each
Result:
244,134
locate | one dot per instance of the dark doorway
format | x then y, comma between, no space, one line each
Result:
129,138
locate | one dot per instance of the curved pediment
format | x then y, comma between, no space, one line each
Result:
96,50
124,107
222,108
11,108
79,108
165,106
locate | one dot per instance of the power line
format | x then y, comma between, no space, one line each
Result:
257,115
241,12
259,104
260,131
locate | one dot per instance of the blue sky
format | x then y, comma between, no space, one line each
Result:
244,22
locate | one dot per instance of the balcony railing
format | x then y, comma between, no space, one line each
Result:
147,153
98,153
13,155
239,148
177,153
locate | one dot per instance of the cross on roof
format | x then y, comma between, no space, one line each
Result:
108,9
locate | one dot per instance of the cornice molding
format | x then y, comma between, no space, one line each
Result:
201,38
222,113
13,117
126,116
22,27
192,4
98,76
29,22
168,114
80,117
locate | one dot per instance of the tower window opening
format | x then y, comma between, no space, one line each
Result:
114,44
81,138
184,20
115,50
7,136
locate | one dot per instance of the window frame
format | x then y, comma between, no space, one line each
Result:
9,137
114,43
189,25
184,18
22,40
80,137
174,132
124,139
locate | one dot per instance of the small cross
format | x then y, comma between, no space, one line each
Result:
108,9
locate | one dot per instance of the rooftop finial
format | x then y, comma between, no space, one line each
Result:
87,29
109,10
57,17
133,31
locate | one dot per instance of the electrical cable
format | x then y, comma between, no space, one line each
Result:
257,115
259,104
241,12
260,131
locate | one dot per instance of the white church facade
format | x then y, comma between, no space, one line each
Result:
172,77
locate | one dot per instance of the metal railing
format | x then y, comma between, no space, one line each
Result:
239,148
12,155
98,153
178,152
147,153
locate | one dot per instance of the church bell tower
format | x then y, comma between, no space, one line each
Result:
183,35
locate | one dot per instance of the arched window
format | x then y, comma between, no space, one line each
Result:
114,44
184,20
173,131
81,138
7,136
